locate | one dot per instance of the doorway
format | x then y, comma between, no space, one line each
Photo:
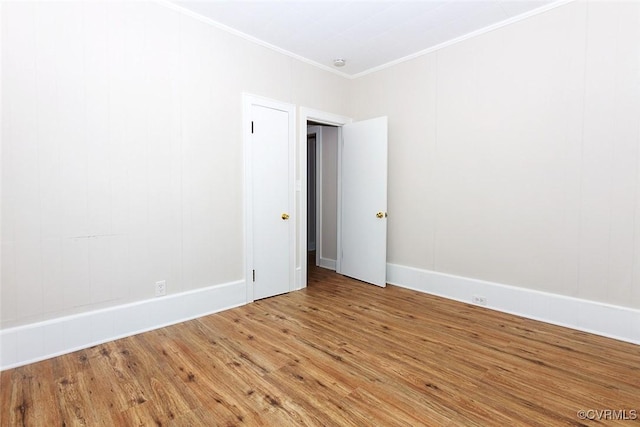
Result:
312,117
322,195
361,253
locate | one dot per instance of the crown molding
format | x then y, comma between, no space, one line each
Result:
504,23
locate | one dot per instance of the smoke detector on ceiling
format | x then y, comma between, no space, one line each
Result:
339,62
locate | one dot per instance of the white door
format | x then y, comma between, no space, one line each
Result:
271,239
363,202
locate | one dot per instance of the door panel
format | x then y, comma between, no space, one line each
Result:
364,196
271,199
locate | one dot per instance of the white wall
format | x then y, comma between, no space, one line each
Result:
329,193
513,158
514,155
122,151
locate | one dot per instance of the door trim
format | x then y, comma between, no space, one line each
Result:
249,100
322,117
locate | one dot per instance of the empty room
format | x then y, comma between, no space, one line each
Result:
321,213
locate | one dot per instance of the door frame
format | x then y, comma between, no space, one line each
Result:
322,117
249,100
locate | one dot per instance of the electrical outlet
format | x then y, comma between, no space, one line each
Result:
478,300
161,288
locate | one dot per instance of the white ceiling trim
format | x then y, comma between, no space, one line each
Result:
185,11
472,34
542,9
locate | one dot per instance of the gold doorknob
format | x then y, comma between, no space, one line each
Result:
285,216
381,215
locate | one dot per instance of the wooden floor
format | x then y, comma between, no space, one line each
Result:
339,353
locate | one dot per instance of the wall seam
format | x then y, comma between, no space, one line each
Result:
582,155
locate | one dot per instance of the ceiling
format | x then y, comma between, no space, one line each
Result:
368,35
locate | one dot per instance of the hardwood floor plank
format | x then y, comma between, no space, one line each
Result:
338,353
32,399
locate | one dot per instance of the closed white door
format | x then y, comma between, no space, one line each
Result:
270,217
363,202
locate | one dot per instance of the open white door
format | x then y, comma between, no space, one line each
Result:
363,202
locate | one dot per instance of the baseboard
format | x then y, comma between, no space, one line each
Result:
39,341
328,263
611,321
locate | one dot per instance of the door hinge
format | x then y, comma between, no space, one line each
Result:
251,126
254,275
